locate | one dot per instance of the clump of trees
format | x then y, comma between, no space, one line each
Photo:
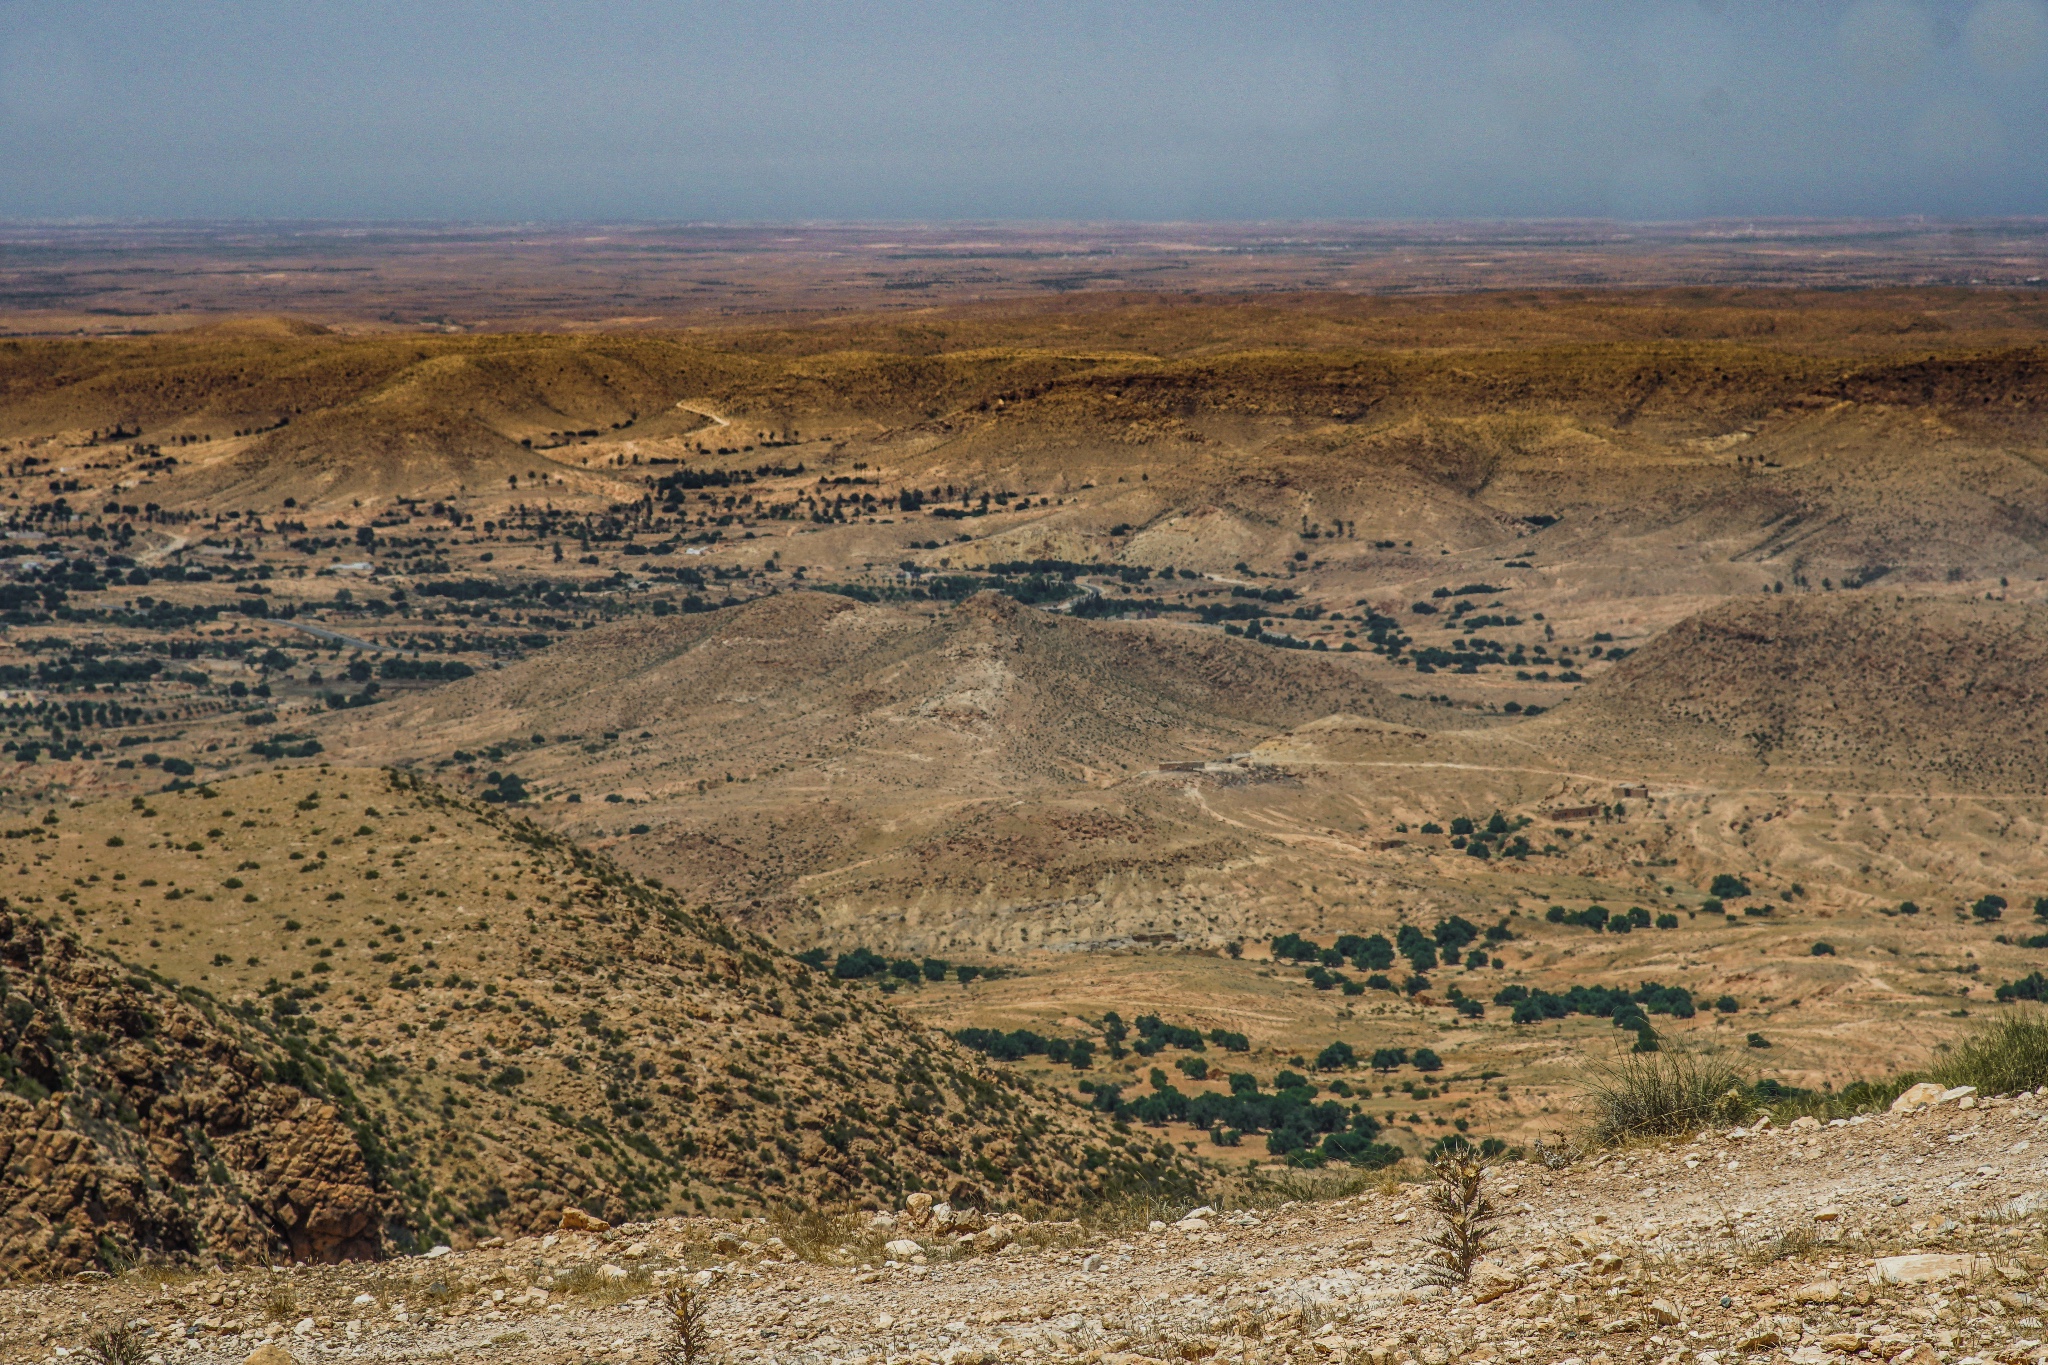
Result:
1298,1127
1628,1009
859,964
1018,1044
1600,919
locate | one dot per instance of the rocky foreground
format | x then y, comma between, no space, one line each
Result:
1914,1235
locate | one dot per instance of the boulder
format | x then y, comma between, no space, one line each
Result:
901,1249
1817,1291
1805,1123
1927,1268
993,1239
269,1353
1664,1312
1490,1282
918,1209
1926,1092
576,1220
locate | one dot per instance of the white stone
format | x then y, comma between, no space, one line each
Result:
1925,1268
901,1249
438,1252
1926,1092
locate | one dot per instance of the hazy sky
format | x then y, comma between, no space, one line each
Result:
779,109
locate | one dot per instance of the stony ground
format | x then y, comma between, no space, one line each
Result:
1915,1235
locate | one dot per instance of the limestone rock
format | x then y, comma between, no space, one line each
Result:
1817,1291
1926,1092
1926,1268
270,1353
1490,1282
576,1220
1664,1313
993,1239
901,1249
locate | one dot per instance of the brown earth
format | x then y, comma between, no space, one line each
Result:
141,1119
503,1023
1754,582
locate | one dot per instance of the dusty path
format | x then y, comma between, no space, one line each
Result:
1760,1246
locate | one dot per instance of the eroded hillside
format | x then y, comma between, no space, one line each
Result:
504,1023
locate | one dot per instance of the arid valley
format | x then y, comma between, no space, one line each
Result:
1074,756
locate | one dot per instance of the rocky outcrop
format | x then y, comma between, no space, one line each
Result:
139,1120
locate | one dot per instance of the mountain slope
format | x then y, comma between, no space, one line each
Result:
807,736
510,1024
139,1119
1855,683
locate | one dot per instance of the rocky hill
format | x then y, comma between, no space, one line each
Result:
143,1118
475,1024
1865,685
768,744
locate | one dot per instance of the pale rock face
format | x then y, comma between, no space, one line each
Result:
1926,1092
901,1249
1926,1268
576,1220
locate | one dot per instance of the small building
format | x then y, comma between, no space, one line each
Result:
1564,813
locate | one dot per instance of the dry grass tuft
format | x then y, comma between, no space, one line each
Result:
1641,1095
123,1345
2006,1055
586,1283
824,1238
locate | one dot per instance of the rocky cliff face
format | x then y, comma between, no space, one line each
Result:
139,1120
